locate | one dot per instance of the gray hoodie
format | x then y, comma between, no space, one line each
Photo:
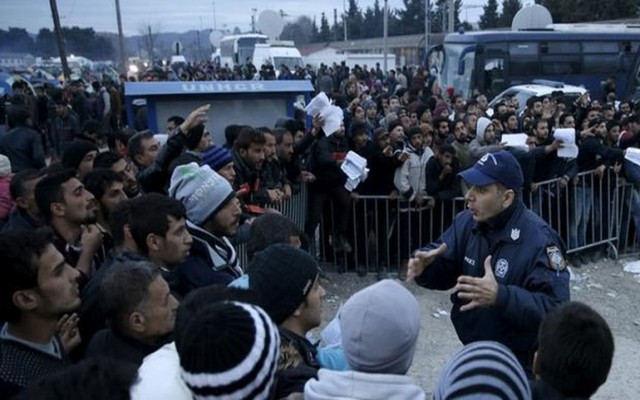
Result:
478,146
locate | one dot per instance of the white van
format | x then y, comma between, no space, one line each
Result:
276,55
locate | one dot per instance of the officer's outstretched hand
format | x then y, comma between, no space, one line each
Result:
422,259
482,292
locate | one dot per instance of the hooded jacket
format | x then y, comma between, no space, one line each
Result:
352,385
410,178
479,146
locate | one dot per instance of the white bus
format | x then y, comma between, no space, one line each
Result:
235,49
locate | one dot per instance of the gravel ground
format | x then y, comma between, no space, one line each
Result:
603,285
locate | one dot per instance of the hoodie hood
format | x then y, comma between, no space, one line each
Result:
481,127
351,385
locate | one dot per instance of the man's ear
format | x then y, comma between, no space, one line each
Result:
58,209
25,300
537,371
242,152
136,322
154,242
138,158
22,202
509,197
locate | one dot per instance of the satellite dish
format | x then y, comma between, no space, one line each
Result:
531,17
215,37
270,23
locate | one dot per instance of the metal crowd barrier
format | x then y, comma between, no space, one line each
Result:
591,213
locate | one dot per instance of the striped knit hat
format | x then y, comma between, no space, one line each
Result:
216,157
229,350
483,370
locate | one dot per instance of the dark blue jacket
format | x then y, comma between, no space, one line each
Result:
524,249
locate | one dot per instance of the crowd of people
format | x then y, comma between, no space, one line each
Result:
122,276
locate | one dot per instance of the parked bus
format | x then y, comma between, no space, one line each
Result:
491,61
633,83
235,49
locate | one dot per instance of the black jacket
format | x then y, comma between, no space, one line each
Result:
108,343
155,177
19,219
381,171
445,189
324,162
296,365
250,179
23,146
541,390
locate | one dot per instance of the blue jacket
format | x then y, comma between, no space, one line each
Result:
529,264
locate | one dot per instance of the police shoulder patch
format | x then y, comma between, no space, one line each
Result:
556,259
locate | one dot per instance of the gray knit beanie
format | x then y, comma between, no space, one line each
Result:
201,190
380,326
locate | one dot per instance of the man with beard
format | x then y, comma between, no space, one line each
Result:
36,288
108,189
213,213
121,166
71,211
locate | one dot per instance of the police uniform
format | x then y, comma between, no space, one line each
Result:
527,260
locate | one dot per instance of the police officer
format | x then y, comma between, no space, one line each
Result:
506,265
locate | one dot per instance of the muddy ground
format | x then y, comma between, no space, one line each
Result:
603,285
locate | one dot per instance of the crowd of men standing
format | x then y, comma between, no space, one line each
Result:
121,245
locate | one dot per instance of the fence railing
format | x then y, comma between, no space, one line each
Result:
593,212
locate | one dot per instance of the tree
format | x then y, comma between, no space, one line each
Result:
509,10
569,11
490,18
324,35
372,25
410,19
354,20
16,40
300,31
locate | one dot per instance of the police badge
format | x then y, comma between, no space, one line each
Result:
556,260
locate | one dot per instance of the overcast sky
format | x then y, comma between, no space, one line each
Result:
177,15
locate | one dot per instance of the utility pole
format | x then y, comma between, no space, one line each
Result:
344,19
427,15
335,24
215,24
452,15
150,45
253,20
123,67
58,30
385,33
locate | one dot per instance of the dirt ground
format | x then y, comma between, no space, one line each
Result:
603,285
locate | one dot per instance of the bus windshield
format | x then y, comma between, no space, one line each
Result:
290,62
450,78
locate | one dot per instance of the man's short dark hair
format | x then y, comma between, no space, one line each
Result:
575,350
124,288
118,218
358,128
99,180
134,146
49,191
204,297
20,251
279,134
106,159
123,136
505,117
150,215
249,136
176,119
270,229
447,148
93,126
17,115
19,180
91,379
563,117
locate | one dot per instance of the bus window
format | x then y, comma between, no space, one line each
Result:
449,75
494,75
601,64
524,59
560,64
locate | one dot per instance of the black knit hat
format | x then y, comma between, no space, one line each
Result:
282,277
194,136
75,151
229,350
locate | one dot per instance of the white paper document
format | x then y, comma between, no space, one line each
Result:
332,115
632,154
516,140
569,148
355,167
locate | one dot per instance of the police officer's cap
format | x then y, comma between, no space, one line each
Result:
499,167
